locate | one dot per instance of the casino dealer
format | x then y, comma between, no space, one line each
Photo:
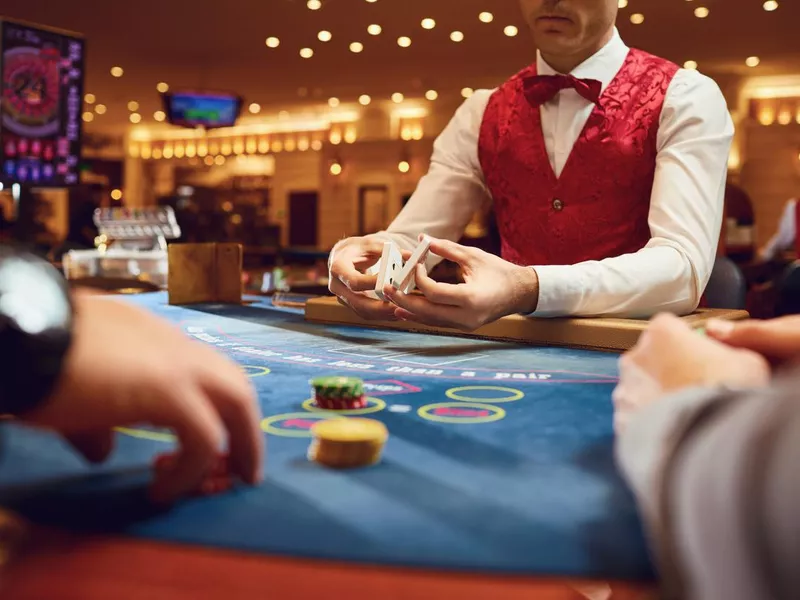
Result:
608,202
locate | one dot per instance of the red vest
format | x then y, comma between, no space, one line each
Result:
598,207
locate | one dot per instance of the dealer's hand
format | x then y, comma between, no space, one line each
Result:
127,367
778,340
670,356
492,288
347,278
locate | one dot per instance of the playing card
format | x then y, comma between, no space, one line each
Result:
390,267
376,270
406,280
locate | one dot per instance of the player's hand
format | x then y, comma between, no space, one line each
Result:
492,288
347,278
126,368
778,340
670,356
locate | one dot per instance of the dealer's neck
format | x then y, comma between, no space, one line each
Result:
566,63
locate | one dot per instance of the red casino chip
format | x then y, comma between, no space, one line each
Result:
340,403
164,462
218,480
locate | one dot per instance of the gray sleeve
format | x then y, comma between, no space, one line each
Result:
716,476
785,235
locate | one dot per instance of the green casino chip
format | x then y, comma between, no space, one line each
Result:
336,387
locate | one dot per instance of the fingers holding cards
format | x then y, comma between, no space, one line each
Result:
395,271
363,305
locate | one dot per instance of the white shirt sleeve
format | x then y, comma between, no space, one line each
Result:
784,237
686,207
448,196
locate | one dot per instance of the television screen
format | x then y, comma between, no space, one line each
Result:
202,109
42,74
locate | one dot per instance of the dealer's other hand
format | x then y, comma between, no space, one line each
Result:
669,357
347,278
127,367
492,288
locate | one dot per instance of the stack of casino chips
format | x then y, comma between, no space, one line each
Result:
345,443
339,393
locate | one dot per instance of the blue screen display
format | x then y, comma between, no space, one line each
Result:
193,109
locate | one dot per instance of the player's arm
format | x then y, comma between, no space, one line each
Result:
670,273
453,189
785,236
82,365
716,479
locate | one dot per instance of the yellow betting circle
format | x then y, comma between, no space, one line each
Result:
378,406
259,373
267,424
143,434
498,413
455,393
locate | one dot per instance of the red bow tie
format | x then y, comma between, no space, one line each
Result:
539,89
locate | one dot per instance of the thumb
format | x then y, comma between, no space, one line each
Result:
775,338
94,447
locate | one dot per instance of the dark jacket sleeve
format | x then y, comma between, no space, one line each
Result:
35,329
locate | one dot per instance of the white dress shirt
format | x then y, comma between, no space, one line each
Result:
670,273
783,239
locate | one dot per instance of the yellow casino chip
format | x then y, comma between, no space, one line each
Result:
347,443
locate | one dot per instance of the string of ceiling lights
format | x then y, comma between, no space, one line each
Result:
374,30
702,12
404,41
93,108
323,36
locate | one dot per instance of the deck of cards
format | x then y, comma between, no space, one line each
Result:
391,270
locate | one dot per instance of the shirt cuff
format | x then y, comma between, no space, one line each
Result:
554,290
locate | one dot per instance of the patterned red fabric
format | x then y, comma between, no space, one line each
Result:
598,207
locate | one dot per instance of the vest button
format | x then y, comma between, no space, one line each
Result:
557,204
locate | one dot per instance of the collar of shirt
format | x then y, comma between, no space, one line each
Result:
602,66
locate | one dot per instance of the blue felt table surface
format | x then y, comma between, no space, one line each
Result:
531,487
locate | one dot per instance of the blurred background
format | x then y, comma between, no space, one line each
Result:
288,124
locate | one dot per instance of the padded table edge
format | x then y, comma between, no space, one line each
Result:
607,334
